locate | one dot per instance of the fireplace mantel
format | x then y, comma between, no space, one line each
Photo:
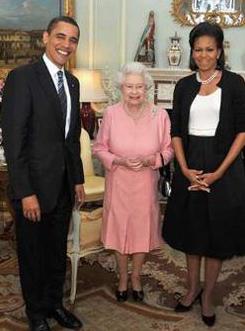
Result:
173,74
164,83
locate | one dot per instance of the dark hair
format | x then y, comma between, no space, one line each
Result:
67,19
211,30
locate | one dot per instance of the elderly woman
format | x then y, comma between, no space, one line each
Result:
132,141
205,216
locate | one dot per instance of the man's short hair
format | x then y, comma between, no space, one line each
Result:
67,19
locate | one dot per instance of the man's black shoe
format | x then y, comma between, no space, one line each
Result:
66,318
39,325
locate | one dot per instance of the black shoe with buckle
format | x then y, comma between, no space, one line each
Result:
66,318
180,308
39,325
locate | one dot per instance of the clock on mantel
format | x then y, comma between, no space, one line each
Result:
165,81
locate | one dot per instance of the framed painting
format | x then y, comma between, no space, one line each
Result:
22,23
227,13
164,90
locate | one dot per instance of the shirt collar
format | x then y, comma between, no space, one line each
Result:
52,68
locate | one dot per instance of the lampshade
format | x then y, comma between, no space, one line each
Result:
90,85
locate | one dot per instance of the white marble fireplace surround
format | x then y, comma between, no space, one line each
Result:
164,83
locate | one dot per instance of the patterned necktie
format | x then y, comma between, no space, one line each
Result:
62,94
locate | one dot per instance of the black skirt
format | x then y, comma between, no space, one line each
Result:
207,224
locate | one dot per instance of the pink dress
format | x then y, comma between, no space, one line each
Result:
131,220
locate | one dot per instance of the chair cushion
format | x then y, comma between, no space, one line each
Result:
89,234
94,188
90,229
86,154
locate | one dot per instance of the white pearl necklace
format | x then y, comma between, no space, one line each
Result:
207,81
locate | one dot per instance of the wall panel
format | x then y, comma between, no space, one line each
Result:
109,38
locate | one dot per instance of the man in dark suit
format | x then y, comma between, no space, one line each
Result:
41,131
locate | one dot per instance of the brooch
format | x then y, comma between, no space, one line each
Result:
154,111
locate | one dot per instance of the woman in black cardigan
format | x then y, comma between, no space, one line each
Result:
205,215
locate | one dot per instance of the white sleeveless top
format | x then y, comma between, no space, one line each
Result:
204,114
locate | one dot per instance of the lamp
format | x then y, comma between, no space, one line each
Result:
90,91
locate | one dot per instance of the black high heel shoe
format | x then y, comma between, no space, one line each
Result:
180,308
208,320
121,295
138,296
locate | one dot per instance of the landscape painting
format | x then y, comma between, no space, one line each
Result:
22,23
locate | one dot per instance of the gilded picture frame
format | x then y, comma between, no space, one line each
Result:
227,13
21,27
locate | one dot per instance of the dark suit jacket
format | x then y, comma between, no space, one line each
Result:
37,153
232,110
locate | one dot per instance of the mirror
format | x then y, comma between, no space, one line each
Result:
227,13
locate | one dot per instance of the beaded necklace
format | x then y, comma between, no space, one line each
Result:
207,81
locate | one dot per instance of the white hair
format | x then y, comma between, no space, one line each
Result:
134,68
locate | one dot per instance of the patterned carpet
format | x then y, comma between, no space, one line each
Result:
163,280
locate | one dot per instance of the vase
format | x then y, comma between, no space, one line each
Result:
174,52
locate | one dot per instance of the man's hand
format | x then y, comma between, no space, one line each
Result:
31,208
79,194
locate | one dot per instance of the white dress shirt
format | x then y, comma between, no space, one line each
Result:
53,70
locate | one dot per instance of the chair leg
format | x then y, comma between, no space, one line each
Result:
74,266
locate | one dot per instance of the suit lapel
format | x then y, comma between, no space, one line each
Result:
48,86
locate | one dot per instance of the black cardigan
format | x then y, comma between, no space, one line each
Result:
232,110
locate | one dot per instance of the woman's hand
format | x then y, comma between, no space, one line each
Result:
197,183
137,163
192,175
149,161
142,162
210,177
205,180
131,163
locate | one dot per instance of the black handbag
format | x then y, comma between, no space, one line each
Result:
165,179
